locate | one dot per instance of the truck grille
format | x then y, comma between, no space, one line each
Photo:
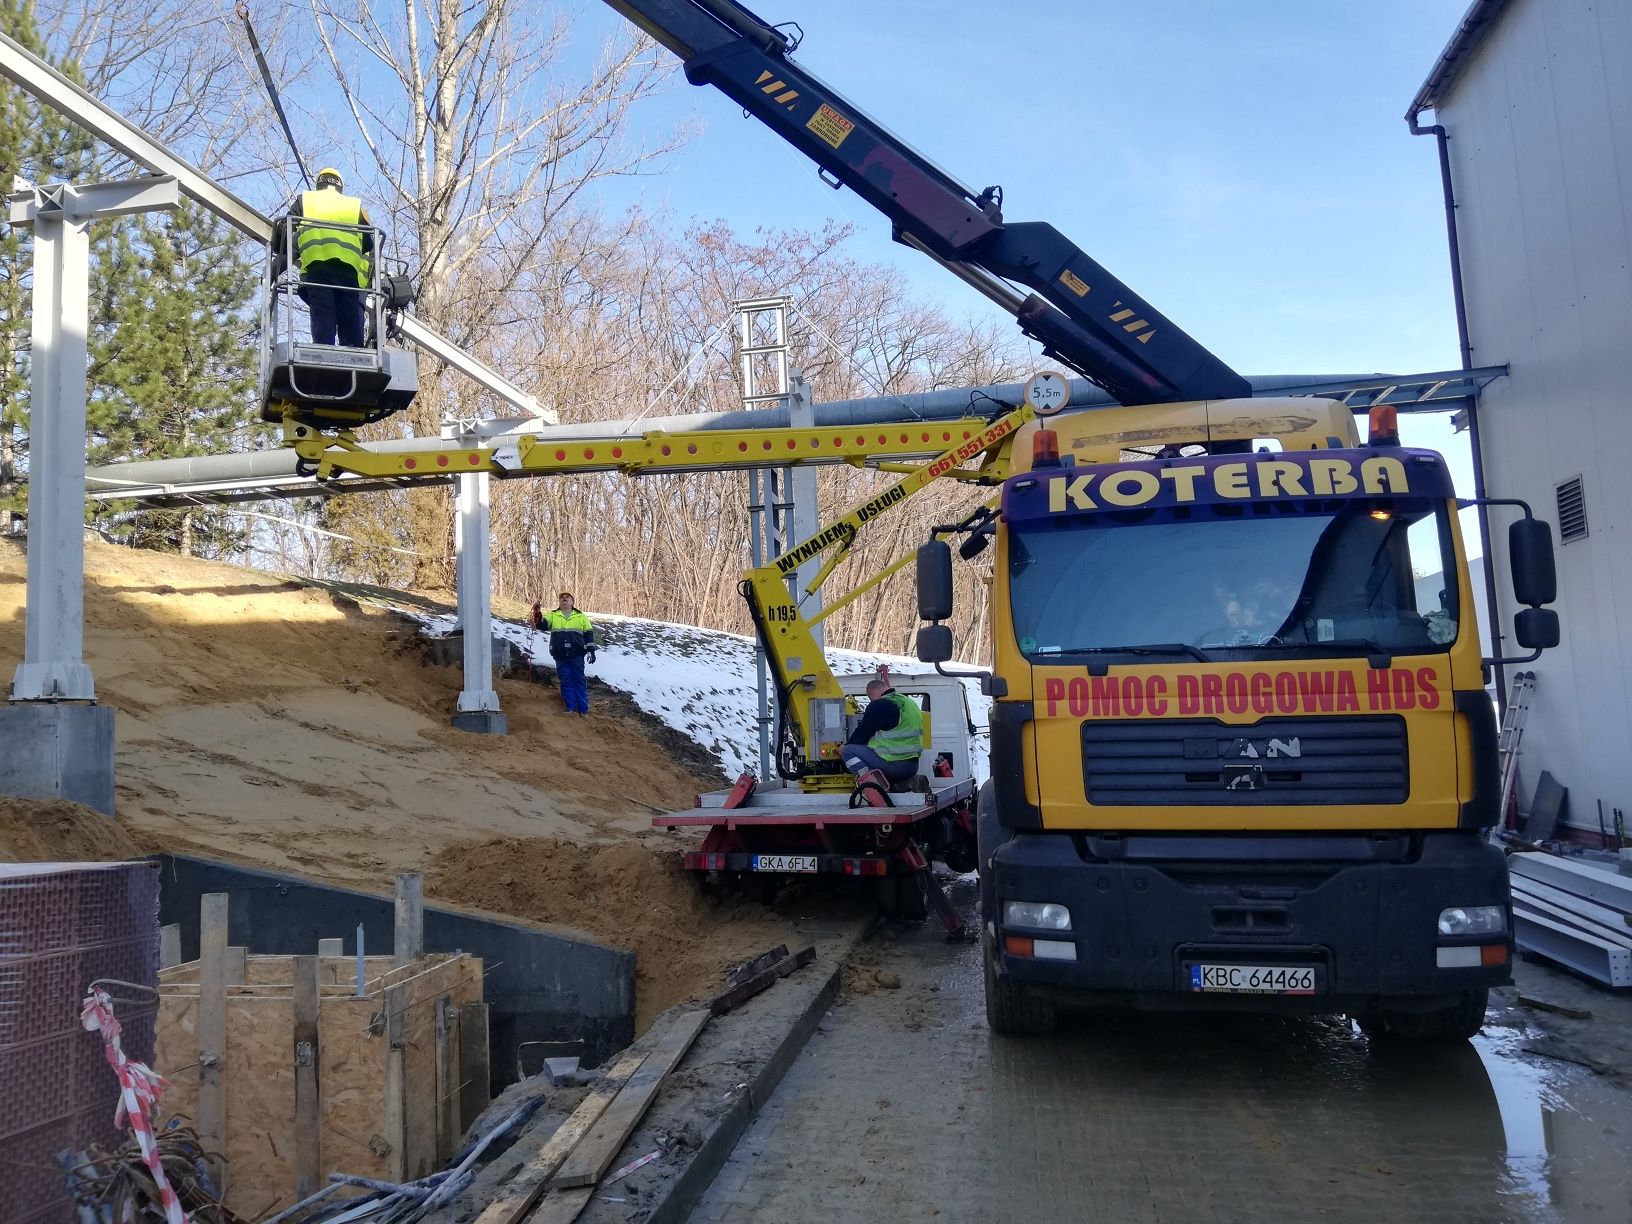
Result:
1277,761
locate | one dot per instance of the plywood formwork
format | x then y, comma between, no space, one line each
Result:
359,1129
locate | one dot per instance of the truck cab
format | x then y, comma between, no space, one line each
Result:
1241,757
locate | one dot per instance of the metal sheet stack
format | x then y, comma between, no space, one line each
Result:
1575,914
63,926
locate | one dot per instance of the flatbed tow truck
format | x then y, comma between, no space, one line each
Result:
789,832
759,836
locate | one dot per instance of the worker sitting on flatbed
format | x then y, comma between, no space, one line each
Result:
889,737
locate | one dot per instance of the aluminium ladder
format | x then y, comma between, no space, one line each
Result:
1513,720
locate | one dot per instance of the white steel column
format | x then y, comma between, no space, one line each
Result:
478,708
53,667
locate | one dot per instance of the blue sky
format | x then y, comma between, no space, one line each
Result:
1243,165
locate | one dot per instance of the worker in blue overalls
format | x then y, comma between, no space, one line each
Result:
572,640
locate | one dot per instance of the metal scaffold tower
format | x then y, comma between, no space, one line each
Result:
781,500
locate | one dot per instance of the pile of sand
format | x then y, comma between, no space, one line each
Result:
264,721
56,831
630,894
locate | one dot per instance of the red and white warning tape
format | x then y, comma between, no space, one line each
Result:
139,1090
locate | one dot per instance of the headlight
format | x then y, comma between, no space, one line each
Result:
1043,914
1473,920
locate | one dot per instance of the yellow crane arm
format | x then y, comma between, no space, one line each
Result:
808,693
651,453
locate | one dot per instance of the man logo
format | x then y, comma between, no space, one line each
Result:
1273,748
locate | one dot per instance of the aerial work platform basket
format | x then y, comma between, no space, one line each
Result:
331,386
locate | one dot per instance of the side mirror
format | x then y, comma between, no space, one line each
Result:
1534,628
1530,556
935,584
974,545
934,644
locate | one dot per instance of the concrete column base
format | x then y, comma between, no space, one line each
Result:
482,722
58,751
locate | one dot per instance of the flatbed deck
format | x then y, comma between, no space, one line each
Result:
769,808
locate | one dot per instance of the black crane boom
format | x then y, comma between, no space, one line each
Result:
1079,312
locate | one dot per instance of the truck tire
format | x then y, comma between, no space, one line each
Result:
887,896
989,835
911,905
1012,1010
1459,1022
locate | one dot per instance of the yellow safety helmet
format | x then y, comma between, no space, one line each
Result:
330,174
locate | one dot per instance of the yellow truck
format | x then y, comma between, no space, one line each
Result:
1242,753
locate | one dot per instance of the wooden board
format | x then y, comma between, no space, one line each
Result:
562,1206
408,943
212,1028
447,1080
475,1072
594,1155
169,946
308,1095
735,996
524,1189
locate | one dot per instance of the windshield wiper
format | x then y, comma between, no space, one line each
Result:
1372,647
1151,648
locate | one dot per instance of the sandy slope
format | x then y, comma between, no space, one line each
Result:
263,721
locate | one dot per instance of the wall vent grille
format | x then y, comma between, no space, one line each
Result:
1572,510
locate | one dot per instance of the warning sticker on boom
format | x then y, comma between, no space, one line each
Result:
830,125
1074,283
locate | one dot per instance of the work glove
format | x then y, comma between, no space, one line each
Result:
590,656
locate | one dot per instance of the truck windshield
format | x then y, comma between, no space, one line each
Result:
1309,578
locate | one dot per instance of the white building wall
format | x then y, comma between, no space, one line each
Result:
1540,128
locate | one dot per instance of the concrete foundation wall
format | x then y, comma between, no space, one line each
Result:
58,751
539,985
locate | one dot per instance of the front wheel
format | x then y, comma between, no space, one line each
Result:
1458,1022
1011,1009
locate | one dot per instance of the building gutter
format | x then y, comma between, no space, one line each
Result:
1476,24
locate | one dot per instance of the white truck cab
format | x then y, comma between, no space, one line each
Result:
948,726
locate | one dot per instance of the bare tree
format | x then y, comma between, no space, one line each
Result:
636,304
186,74
480,139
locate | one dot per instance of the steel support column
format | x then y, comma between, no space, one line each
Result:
478,708
53,666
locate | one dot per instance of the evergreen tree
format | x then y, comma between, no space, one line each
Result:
38,145
175,367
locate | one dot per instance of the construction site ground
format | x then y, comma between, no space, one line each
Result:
266,721
904,1107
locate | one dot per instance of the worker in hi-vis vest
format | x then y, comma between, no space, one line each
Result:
890,736
572,640
333,261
